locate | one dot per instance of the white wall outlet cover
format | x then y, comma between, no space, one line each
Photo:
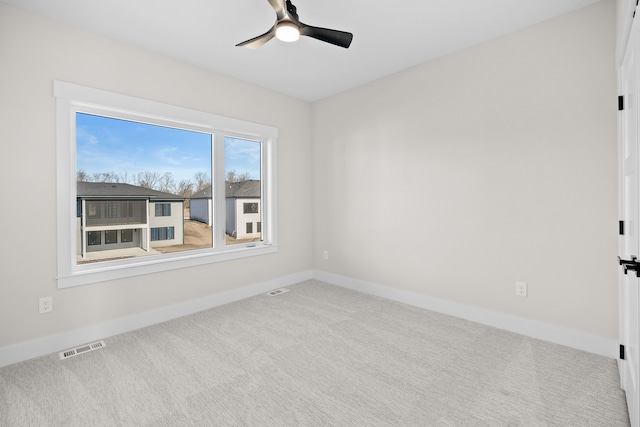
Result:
521,289
46,305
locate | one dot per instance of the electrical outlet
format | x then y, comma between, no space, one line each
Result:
325,254
521,289
46,305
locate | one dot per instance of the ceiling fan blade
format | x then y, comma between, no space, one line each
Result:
336,37
279,7
256,42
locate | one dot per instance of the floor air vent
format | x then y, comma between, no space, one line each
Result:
82,349
277,292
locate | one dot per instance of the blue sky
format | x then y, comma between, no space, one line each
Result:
242,156
122,147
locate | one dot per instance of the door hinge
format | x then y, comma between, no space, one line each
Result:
621,228
622,357
620,103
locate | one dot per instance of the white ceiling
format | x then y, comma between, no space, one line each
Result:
389,36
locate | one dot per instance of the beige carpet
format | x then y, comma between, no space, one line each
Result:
318,355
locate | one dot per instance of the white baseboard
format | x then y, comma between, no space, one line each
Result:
532,328
544,331
55,343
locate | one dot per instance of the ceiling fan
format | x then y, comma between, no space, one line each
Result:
289,28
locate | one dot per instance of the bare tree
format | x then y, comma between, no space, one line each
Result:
202,180
124,177
148,179
185,188
233,176
151,180
82,175
111,177
167,184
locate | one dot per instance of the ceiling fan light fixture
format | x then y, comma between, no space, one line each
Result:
288,28
287,31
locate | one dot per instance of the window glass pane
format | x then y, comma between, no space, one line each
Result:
250,208
111,237
93,238
141,176
243,189
163,209
93,209
126,236
162,233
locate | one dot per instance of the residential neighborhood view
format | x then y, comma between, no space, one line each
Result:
156,195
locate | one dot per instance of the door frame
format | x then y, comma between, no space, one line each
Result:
628,318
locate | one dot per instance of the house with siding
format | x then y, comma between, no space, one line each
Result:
120,216
201,206
242,208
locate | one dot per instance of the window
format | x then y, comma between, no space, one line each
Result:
110,237
126,236
94,238
243,163
250,208
136,164
162,233
93,209
163,209
103,213
259,227
249,228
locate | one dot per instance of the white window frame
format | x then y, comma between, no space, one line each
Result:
71,98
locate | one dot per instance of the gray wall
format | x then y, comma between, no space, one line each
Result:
624,16
500,164
499,161
199,210
36,51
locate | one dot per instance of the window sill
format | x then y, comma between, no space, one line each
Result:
155,264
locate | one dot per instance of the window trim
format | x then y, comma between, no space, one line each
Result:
72,98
